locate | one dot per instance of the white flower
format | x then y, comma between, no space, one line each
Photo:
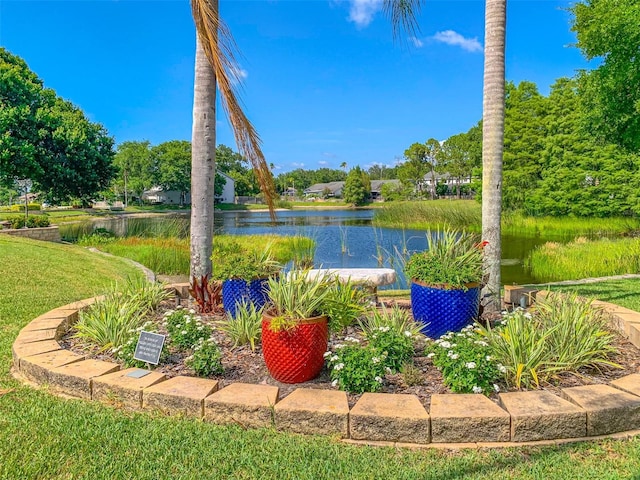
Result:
179,325
168,313
351,339
453,356
327,354
501,368
470,365
200,328
183,332
375,360
477,389
192,311
186,317
388,370
431,355
445,344
383,329
488,358
407,333
334,383
496,387
334,358
339,346
339,366
188,320
482,343
527,315
378,379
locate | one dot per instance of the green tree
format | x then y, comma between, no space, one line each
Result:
172,166
357,187
456,157
135,170
609,30
432,150
48,139
415,167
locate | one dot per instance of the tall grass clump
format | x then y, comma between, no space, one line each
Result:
564,334
302,250
165,256
584,258
430,214
516,223
108,322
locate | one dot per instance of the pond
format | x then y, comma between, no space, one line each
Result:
344,238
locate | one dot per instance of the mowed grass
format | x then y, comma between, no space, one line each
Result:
46,437
624,292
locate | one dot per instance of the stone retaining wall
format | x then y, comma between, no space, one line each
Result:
46,234
453,420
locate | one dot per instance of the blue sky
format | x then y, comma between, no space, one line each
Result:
324,81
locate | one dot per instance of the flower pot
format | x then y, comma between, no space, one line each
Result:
295,355
236,291
442,310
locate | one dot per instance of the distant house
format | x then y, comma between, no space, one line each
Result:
444,179
334,189
331,189
172,197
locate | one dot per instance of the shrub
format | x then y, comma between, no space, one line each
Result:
466,362
206,358
396,347
33,221
356,368
246,327
185,328
150,294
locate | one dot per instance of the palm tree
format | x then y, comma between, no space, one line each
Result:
216,68
492,146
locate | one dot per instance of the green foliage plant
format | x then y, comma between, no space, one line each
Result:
206,359
294,296
33,221
185,328
564,334
356,368
452,260
150,294
357,187
231,261
344,304
246,327
108,322
466,361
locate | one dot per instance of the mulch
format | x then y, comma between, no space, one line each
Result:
241,364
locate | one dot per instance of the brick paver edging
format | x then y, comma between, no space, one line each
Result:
453,421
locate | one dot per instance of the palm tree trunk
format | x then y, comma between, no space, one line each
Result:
203,164
492,146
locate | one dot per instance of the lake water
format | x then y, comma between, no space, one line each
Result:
344,238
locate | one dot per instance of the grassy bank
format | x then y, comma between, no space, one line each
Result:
170,255
467,215
621,292
584,258
45,437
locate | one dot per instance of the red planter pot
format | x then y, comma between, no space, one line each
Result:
295,355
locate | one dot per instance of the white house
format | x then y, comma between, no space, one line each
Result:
172,197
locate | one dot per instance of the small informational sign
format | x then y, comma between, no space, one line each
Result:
149,347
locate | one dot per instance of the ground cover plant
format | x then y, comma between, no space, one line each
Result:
44,436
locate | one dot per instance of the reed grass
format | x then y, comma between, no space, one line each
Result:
467,215
583,258
170,256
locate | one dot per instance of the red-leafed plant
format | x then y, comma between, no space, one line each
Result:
207,294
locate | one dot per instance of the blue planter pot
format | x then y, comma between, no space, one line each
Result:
237,291
441,311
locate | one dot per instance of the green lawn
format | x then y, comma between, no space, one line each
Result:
46,437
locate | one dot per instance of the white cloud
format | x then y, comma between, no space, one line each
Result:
238,75
416,42
361,12
298,165
454,38
323,162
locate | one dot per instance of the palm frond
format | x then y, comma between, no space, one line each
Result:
220,49
402,14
